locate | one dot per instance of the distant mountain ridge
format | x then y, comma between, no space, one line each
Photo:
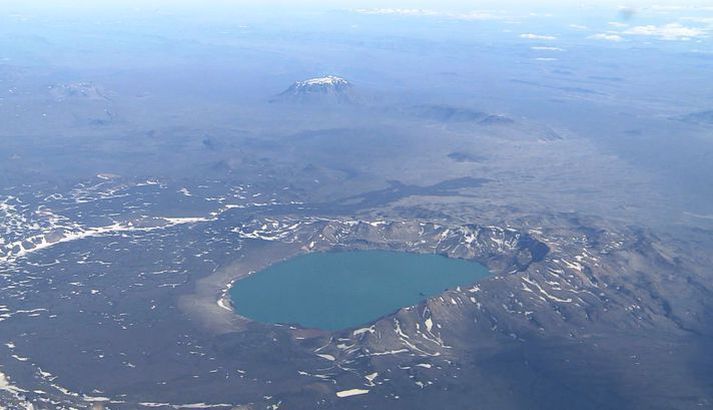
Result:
464,116
700,117
451,114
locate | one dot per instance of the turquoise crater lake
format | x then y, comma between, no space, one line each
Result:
338,290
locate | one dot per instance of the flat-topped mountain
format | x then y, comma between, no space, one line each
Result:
85,90
327,89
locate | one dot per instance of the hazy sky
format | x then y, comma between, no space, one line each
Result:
431,4
226,10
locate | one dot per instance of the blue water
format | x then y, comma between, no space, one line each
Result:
337,290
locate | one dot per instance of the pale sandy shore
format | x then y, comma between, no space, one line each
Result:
210,304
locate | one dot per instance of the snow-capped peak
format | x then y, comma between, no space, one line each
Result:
326,89
326,80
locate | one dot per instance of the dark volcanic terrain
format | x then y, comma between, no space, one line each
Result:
149,159
573,300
